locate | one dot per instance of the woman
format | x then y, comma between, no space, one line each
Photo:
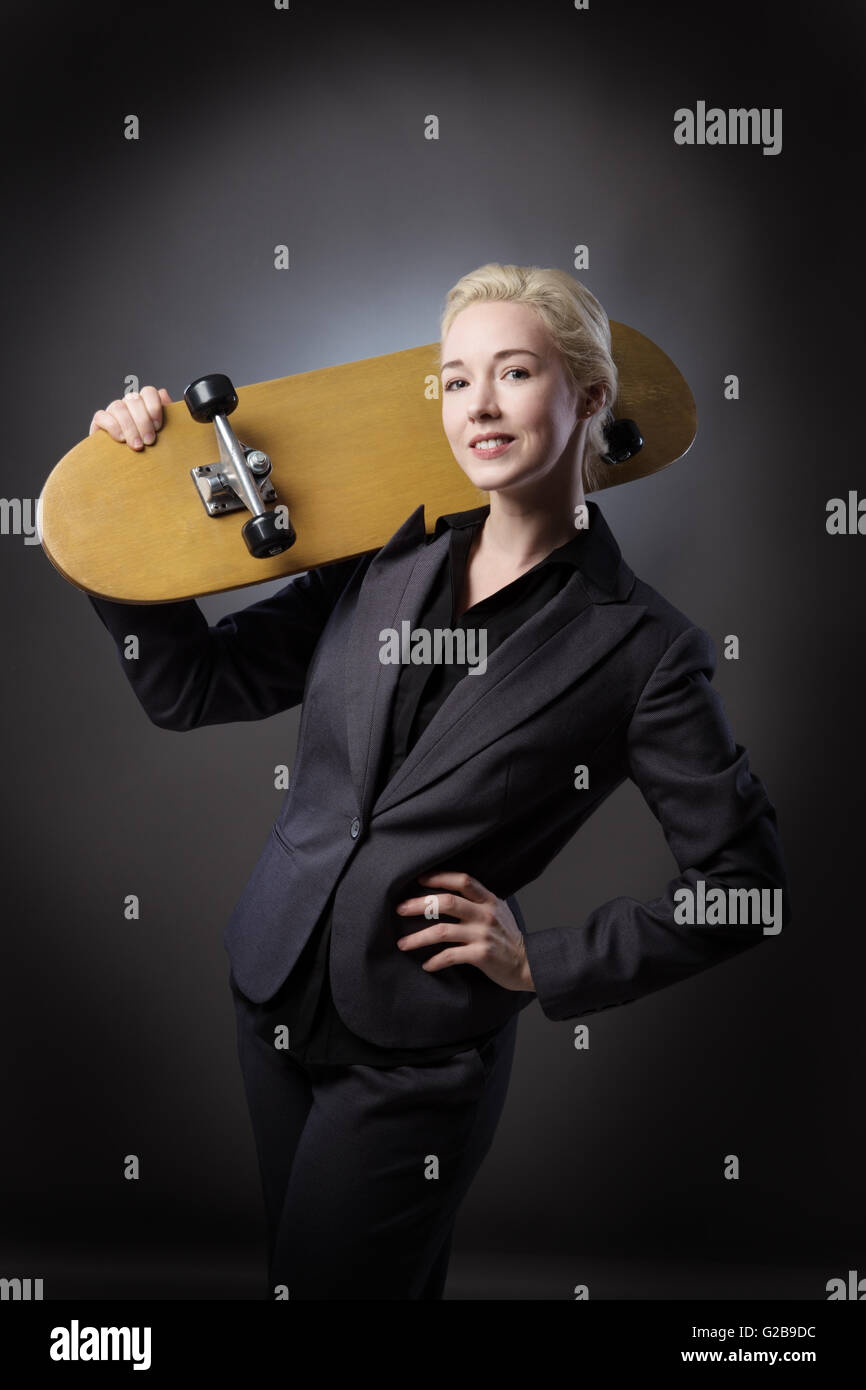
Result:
379,958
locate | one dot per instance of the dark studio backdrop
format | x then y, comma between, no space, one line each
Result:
155,257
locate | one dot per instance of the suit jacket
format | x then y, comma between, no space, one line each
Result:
607,674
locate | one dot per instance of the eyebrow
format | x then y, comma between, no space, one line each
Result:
506,352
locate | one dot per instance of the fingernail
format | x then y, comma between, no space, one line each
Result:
136,443
149,438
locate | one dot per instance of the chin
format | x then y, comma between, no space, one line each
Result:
486,484
489,478
499,482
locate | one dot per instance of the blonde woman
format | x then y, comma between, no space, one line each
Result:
379,958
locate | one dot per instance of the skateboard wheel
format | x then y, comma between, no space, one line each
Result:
264,537
623,440
208,396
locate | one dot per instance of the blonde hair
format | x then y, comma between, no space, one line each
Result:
577,323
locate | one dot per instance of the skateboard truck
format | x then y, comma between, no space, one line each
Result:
240,479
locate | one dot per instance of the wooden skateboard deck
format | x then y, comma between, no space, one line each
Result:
354,449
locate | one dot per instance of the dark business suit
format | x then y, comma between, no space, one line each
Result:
607,674
304,1004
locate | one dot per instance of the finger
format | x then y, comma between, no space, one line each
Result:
453,955
150,399
102,420
119,411
460,883
444,902
144,425
439,932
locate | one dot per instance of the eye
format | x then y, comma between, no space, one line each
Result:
455,381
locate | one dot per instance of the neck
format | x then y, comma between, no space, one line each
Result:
522,528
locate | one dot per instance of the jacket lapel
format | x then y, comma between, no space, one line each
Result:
395,587
554,648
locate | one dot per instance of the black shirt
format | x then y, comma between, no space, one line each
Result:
304,1004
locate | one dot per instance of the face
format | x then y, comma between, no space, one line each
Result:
502,375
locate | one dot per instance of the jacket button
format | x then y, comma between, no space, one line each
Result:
355,828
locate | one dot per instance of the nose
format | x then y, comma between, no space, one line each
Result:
483,402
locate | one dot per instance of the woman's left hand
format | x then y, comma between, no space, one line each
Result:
493,940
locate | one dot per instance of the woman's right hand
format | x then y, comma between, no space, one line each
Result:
135,419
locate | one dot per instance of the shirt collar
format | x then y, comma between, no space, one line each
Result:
593,550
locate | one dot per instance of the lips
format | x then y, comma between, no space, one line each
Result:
492,451
492,434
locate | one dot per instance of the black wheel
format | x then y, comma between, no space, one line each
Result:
624,440
208,396
264,537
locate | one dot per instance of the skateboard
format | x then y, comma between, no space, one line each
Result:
248,485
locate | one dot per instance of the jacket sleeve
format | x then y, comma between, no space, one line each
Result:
720,827
250,665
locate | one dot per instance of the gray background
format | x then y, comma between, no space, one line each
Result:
155,258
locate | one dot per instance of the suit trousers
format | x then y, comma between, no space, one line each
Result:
363,1168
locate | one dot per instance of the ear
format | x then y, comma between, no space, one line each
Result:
594,399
